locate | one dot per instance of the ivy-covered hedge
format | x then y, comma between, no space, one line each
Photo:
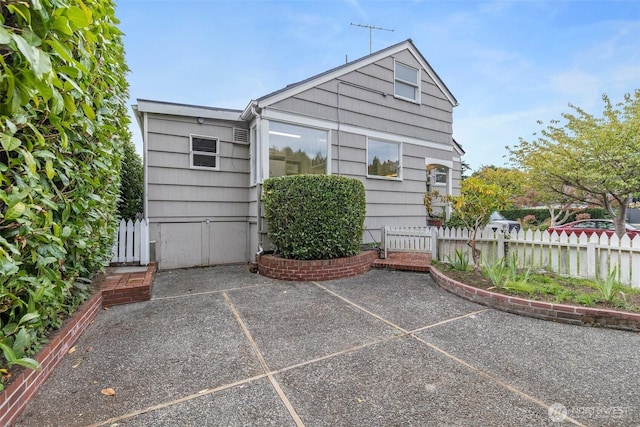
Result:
314,216
63,120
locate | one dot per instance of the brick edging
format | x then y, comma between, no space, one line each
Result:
18,394
15,397
328,269
564,313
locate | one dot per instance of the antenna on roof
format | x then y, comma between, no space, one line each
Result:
371,27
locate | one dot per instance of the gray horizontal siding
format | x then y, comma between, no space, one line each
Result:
183,126
197,209
185,193
197,177
181,194
181,160
431,120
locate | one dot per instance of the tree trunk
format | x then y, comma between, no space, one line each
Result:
620,221
475,252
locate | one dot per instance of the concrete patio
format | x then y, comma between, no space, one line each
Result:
222,346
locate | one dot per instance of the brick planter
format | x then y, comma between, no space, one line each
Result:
327,269
563,313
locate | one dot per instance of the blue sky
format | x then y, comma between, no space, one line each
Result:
509,63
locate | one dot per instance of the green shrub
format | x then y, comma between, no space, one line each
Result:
63,120
314,216
130,203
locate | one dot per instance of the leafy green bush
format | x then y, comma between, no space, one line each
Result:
63,120
314,216
131,184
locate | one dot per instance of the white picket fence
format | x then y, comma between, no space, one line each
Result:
131,243
408,239
572,255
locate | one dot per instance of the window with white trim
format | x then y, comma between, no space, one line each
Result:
383,159
407,82
204,153
295,150
440,175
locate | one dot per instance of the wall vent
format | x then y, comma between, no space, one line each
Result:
241,135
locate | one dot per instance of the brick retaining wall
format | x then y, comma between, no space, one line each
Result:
328,269
563,313
113,289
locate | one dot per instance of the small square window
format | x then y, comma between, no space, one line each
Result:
204,152
407,82
440,175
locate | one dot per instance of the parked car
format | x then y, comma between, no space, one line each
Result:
593,226
499,223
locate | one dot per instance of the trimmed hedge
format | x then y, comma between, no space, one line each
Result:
314,216
63,120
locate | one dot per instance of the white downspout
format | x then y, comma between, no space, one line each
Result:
258,162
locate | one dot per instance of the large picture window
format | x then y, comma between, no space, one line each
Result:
383,159
407,82
296,150
204,152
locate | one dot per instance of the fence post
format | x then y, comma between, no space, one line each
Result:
434,244
122,239
144,242
129,247
592,263
500,247
383,237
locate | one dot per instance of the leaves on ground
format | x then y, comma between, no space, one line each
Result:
108,391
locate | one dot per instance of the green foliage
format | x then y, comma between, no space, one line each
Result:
504,274
510,180
474,205
314,216
609,287
63,120
131,184
589,159
460,260
543,215
496,272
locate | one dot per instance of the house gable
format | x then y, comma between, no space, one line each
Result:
407,45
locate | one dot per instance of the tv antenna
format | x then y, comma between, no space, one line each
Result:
371,27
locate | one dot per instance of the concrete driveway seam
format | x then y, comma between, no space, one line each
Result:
283,397
449,355
359,307
495,380
220,291
444,322
201,393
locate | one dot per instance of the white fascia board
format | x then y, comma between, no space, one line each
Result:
433,76
282,116
167,108
138,115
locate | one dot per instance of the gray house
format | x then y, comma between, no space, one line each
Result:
385,119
